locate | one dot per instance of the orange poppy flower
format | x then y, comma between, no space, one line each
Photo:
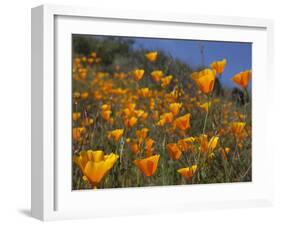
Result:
148,166
131,106
151,56
208,146
82,73
144,92
152,104
120,75
185,144
78,132
165,118
94,165
242,79
135,147
166,81
98,95
90,60
94,54
138,74
155,115
157,75
127,112
144,116
87,122
148,147
105,107
84,95
205,80
219,66
106,114
174,151
142,134
76,116
130,122
188,172
175,108
76,95
115,134
138,113
237,128
182,122
224,152
205,106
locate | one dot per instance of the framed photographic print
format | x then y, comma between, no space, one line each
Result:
137,112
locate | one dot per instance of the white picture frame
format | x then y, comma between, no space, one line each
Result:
52,197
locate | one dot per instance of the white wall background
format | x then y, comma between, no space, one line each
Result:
15,112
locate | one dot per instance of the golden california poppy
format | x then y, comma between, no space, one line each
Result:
106,114
76,95
237,128
131,106
224,152
130,122
148,166
94,54
76,116
105,107
144,116
78,132
82,73
208,146
90,60
98,95
205,106
77,61
127,112
84,95
165,118
152,104
139,113
148,147
165,81
156,75
185,144
205,80
174,151
168,117
115,134
87,122
175,108
188,172
94,165
120,75
144,92
138,74
242,79
182,122
219,66
135,147
142,134
151,56
161,122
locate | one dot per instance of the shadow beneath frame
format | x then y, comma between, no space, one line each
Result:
26,212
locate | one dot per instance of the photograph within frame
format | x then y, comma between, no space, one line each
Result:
157,112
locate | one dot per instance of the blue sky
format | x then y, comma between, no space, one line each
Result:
238,55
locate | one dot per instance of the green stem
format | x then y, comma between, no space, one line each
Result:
207,114
138,179
236,151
